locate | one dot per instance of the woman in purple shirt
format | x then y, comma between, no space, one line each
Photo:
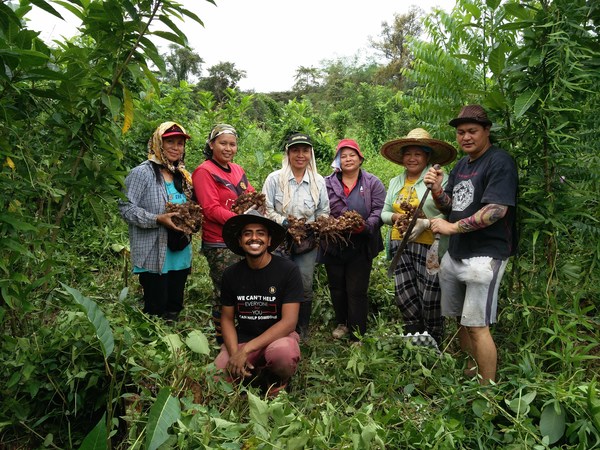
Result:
348,265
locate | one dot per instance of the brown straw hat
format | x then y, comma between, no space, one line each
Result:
440,152
471,114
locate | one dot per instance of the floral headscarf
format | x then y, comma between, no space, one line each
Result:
156,155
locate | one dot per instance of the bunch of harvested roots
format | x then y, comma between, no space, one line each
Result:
336,231
297,228
189,216
404,219
249,200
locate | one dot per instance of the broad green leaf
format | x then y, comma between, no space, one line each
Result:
16,224
13,244
492,4
174,28
172,37
173,341
529,397
97,438
473,9
367,434
8,17
517,10
164,412
552,422
197,342
518,406
593,403
259,410
152,78
113,104
97,319
193,16
497,59
69,6
496,99
480,407
98,208
525,101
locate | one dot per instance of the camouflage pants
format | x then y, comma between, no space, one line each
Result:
218,258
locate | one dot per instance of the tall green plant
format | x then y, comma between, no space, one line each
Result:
65,110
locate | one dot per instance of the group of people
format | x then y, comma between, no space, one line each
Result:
263,279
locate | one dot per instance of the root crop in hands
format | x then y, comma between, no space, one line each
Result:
189,216
248,200
337,231
404,220
297,228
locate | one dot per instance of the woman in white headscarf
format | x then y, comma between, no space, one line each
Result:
160,252
297,190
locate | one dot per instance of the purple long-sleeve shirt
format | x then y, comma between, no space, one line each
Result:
374,197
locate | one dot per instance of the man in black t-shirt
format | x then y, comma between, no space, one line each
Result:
262,293
480,200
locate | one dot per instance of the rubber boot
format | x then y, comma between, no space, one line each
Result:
304,319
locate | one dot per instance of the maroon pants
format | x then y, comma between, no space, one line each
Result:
280,357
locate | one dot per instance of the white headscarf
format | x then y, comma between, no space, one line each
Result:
286,174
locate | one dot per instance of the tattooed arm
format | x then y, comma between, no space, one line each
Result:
443,201
486,216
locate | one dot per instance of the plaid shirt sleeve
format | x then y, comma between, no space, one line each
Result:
146,199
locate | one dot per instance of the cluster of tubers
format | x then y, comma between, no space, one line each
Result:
189,216
249,200
404,220
329,229
297,228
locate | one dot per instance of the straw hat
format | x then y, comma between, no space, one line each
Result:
440,152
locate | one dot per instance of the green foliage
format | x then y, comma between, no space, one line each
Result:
97,439
90,370
96,318
163,413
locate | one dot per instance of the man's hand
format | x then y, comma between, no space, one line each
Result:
166,221
238,365
420,226
434,178
444,227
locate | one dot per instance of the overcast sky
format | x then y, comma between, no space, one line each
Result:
270,39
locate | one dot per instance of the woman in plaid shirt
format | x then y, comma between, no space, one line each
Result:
162,267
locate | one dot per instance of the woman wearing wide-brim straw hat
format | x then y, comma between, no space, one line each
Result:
417,291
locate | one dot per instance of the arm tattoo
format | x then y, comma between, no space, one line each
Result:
442,200
483,218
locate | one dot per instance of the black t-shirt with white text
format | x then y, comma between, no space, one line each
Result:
258,294
491,178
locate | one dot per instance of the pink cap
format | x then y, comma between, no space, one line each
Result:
349,143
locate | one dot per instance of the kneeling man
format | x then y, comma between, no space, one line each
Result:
262,293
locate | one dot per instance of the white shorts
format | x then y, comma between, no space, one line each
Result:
470,288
